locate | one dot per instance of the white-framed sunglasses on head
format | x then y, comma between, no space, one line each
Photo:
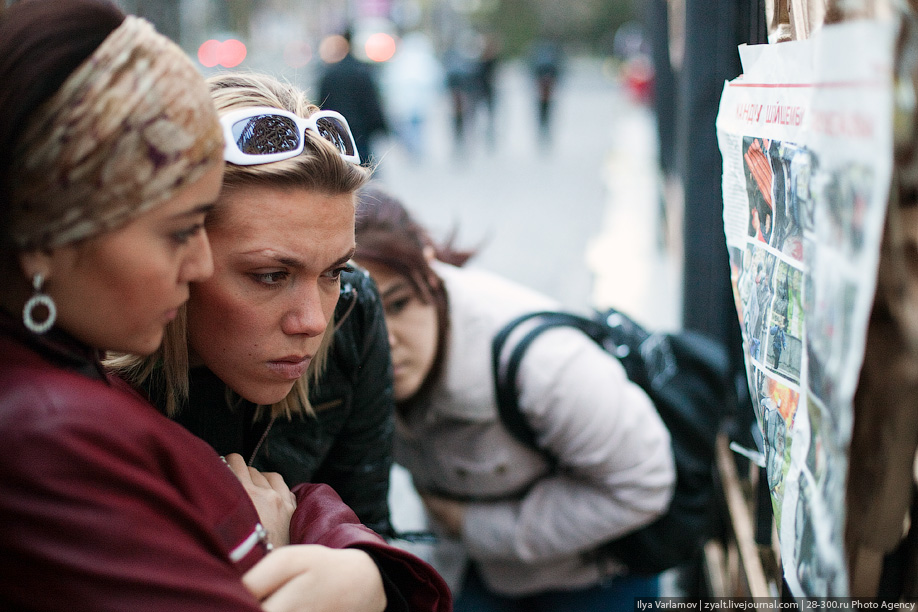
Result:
262,134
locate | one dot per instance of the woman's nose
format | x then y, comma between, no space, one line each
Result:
199,262
305,314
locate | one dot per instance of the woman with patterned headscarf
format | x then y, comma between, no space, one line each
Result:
111,155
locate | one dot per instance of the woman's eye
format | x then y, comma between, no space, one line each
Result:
396,306
336,273
270,278
183,236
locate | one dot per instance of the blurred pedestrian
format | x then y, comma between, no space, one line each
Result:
349,87
461,80
545,63
411,83
778,342
486,74
524,527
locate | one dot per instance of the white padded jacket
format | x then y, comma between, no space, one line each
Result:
525,526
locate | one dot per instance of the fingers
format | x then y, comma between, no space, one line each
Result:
433,502
249,475
237,464
276,482
450,514
315,578
289,596
270,495
435,507
277,568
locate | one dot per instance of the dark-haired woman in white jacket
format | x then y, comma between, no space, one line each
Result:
525,527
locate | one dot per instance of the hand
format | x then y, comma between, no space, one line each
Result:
448,513
313,578
760,168
270,495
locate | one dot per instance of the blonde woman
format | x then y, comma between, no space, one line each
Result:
256,363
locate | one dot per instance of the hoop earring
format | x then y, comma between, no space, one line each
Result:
37,300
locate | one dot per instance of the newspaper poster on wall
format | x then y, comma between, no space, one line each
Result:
806,139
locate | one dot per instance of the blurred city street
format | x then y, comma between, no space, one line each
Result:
579,220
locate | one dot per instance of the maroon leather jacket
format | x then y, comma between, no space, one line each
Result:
105,504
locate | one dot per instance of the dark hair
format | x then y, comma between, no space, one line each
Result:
42,42
388,235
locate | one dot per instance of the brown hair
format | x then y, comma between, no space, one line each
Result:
388,235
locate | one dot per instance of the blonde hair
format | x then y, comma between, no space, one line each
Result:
319,168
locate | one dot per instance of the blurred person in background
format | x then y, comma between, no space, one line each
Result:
411,84
349,87
525,528
486,75
265,360
545,64
459,65
112,158
632,51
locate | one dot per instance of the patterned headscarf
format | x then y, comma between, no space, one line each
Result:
129,128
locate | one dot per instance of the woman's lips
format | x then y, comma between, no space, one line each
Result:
290,368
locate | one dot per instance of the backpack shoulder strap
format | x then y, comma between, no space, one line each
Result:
505,373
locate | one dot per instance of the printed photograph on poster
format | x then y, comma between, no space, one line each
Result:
777,179
817,570
776,407
785,325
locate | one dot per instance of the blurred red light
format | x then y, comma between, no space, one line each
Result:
228,53
209,53
233,53
380,47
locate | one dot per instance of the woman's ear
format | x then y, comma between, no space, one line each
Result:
35,262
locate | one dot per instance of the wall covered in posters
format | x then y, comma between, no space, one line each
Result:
806,139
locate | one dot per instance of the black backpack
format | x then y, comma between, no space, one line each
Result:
686,376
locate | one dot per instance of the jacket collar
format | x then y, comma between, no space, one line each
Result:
57,346
480,304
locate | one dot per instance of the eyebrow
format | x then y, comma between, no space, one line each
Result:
398,286
346,258
197,210
294,262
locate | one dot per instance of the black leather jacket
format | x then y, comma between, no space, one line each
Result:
348,444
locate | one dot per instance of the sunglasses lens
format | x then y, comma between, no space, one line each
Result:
266,134
336,132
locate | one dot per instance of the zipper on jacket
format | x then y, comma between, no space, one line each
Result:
260,534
